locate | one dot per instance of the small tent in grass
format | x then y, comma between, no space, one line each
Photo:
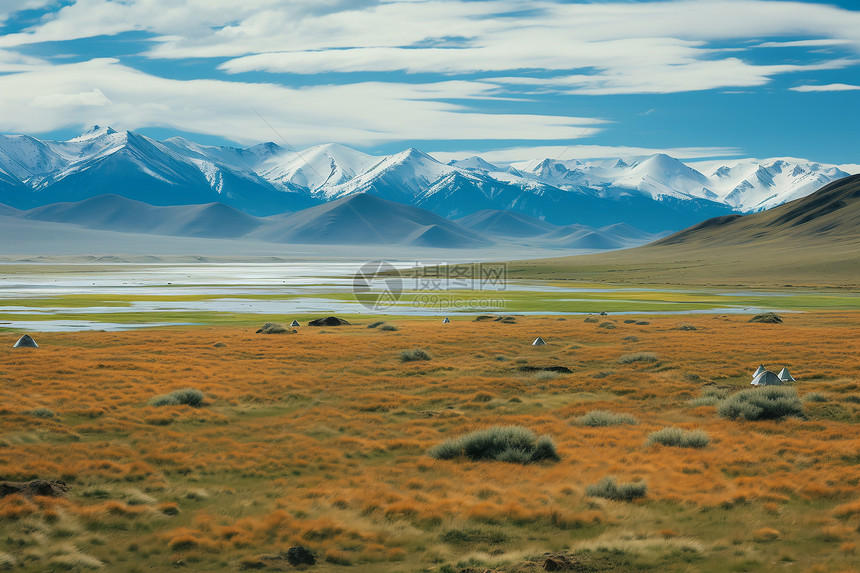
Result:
446,320
26,341
766,378
295,323
759,370
785,375
538,342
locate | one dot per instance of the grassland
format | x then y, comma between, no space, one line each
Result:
321,439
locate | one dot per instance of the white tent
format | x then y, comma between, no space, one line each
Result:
538,342
446,320
766,378
295,323
785,375
26,341
759,370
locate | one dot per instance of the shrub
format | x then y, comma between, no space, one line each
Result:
376,324
388,328
599,418
767,318
185,396
638,357
413,355
513,444
678,438
768,403
711,396
607,325
41,413
609,488
591,319
815,397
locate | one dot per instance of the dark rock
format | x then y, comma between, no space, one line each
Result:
604,313
298,555
559,369
36,487
328,321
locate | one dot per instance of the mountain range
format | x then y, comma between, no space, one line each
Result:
655,193
813,241
356,219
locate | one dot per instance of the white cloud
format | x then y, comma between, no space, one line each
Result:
67,102
656,77
560,152
631,47
103,91
9,7
822,43
825,88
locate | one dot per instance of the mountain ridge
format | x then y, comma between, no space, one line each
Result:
654,193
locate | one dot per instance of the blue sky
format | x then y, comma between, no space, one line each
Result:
506,79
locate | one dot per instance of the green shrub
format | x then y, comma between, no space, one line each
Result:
609,488
41,413
767,318
711,396
768,403
413,355
638,357
389,328
273,328
376,324
678,438
185,396
815,397
598,418
513,444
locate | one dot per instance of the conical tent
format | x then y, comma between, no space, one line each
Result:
26,341
446,320
785,375
759,370
295,323
766,378
538,342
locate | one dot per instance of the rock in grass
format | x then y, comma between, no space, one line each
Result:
38,487
767,318
298,555
328,321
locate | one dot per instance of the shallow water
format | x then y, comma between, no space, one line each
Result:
304,286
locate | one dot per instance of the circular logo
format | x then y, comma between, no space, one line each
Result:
377,285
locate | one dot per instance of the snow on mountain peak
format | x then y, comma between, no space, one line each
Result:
94,132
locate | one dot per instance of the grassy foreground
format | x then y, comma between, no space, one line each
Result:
323,439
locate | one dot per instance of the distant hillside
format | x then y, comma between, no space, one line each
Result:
115,213
365,219
813,241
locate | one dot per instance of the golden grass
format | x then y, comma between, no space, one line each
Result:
321,439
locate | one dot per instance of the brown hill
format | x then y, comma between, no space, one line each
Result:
813,241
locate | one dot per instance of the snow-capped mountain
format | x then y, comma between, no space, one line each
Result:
654,193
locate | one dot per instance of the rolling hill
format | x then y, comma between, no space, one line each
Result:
813,241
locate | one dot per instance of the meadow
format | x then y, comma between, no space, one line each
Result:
323,438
